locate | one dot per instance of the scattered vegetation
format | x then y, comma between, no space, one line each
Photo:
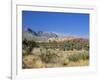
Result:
79,56
27,46
73,52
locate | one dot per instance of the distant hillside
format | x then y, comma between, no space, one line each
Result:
66,38
29,34
41,36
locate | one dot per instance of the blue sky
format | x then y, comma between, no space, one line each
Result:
62,23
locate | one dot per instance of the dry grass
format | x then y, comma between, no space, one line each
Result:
79,63
48,58
32,61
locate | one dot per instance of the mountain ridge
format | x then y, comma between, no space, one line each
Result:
30,34
42,36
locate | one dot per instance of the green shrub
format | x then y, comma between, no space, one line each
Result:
79,56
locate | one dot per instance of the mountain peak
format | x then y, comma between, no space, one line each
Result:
37,35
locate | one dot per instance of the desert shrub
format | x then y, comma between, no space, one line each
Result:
65,62
79,56
25,52
84,55
27,46
50,56
31,61
36,51
73,57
